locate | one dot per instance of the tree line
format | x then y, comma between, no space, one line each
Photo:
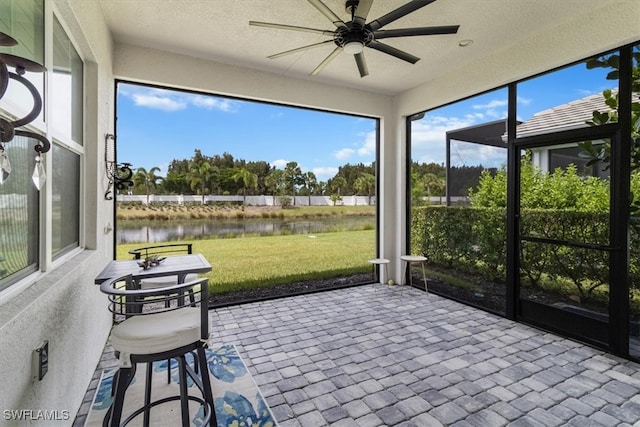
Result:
429,180
225,175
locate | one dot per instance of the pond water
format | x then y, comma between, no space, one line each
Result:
162,231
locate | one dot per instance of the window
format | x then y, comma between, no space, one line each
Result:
66,85
66,121
66,200
22,207
18,215
563,157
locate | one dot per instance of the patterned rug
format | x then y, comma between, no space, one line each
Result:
237,399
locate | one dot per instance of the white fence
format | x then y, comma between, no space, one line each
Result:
251,200
272,200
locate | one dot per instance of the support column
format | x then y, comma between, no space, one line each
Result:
391,191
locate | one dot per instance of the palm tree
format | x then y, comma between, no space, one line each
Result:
337,184
147,178
310,183
321,187
275,183
199,176
366,183
248,178
293,176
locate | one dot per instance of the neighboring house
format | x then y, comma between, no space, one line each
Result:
572,115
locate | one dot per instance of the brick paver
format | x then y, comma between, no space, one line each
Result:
355,357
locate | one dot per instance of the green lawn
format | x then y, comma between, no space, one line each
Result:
251,262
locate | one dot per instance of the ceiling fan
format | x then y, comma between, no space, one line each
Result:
353,36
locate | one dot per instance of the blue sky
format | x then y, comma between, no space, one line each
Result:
156,126
534,95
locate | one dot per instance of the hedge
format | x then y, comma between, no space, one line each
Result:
473,240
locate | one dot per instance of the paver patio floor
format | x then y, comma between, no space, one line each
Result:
368,357
376,356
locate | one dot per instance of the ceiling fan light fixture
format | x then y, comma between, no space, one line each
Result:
354,47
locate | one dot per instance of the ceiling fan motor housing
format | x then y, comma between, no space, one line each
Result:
352,33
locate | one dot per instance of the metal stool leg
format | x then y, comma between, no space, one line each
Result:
147,394
375,277
379,271
184,402
410,275
424,277
385,274
404,276
124,376
206,383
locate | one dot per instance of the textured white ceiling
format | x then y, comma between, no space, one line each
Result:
219,30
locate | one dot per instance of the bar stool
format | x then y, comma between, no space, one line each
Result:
413,259
150,330
382,262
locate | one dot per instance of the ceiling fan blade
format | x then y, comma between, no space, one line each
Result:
322,8
326,61
398,13
419,31
299,49
291,27
362,64
385,48
362,11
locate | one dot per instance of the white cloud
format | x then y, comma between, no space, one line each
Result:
169,100
428,137
523,101
467,154
323,173
280,163
157,102
495,109
344,153
211,103
428,143
368,147
490,105
363,148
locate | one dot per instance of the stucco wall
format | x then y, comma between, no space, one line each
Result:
62,305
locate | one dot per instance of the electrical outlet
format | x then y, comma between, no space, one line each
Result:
40,361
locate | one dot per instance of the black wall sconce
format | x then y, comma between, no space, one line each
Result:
119,174
9,128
